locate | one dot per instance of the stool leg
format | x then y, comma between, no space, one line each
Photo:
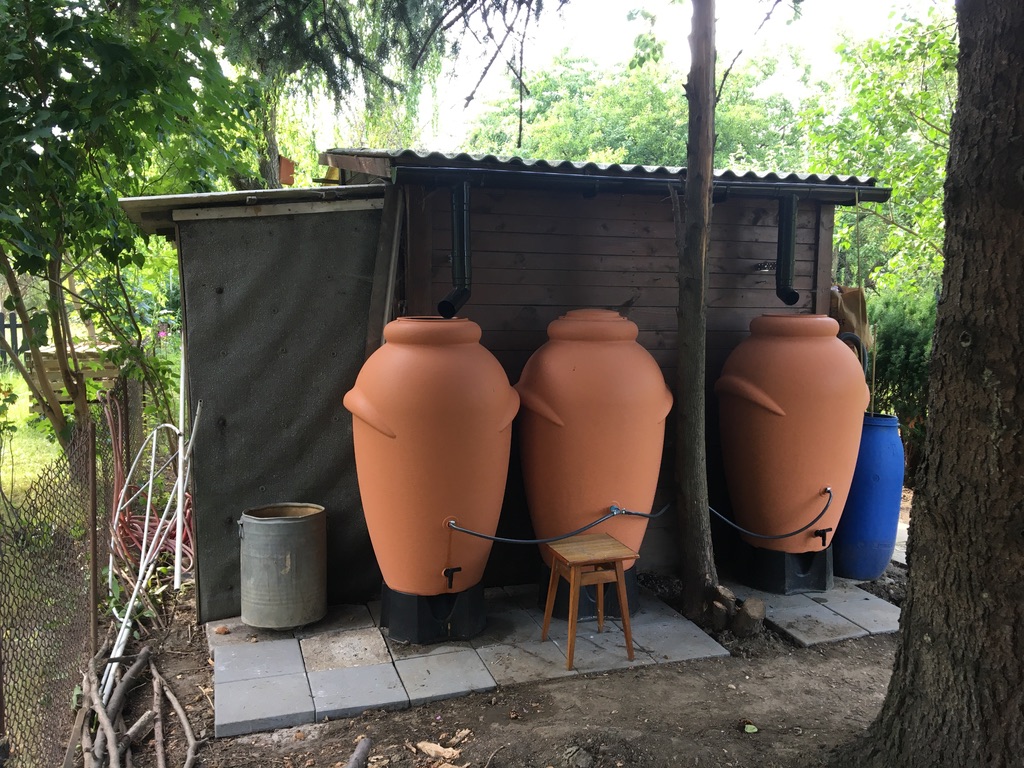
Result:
574,611
549,605
600,606
620,587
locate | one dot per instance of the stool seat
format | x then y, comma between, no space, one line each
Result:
589,558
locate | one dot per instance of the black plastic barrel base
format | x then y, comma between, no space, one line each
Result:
588,597
425,619
788,573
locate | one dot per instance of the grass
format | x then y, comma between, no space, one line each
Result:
29,449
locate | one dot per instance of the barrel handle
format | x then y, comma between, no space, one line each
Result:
541,408
665,405
746,390
511,409
362,408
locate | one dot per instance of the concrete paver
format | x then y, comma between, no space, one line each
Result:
443,676
348,692
261,704
345,664
899,553
234,632
668,640
525,662
250,661
344,649
339,617
802,618
874,614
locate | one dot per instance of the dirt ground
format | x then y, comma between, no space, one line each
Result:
769,705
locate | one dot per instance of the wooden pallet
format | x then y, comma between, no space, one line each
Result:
95,367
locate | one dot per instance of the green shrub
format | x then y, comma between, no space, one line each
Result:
903,325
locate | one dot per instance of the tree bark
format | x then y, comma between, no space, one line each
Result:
693,229
270,168
957,692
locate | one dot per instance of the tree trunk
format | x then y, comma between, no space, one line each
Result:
693,228
270,168
957,693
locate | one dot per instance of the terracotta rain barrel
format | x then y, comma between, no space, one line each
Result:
592,426
792,400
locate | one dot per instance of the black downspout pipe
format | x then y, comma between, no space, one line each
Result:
785,259
461,271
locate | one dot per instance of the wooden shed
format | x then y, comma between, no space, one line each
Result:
540,238
547,237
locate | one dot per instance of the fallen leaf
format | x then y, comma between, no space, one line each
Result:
436,751
310,762
221,630
513,715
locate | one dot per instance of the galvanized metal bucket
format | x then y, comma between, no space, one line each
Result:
284,565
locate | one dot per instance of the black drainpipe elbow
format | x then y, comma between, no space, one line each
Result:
785,259
461,270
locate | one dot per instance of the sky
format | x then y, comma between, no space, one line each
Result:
600,30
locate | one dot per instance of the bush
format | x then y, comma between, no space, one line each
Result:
903,325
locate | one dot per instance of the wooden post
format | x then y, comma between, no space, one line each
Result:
93,564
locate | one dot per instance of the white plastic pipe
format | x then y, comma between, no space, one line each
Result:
180,516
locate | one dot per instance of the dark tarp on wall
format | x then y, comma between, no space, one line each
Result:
277,309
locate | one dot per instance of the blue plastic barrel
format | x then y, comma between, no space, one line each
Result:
866,535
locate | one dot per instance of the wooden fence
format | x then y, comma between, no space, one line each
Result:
9,327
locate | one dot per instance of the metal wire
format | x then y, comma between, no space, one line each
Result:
821,514
613,511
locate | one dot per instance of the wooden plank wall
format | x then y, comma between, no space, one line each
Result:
536,255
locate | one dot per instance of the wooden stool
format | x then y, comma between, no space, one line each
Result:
590,558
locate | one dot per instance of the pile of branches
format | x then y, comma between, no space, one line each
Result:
101,737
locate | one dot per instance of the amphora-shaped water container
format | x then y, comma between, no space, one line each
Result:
792,402
592,426
433,412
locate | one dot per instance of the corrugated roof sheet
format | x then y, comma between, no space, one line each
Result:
413,157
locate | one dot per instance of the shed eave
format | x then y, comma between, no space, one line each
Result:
592,183
154,214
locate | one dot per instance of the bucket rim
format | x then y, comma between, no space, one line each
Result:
307,510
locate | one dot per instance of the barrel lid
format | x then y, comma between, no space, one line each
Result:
592,325
432,330
794,325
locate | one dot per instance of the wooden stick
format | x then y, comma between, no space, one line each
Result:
87,760
491,758
158,720
93,688
190,755
70,755
140,728
117,698
361,755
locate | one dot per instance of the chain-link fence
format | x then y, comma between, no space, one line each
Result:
53,549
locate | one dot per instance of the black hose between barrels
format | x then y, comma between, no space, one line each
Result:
739,528
616,511
613,511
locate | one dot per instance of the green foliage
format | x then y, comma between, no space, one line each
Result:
890,119
26,448
99,104
903,324
579,112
